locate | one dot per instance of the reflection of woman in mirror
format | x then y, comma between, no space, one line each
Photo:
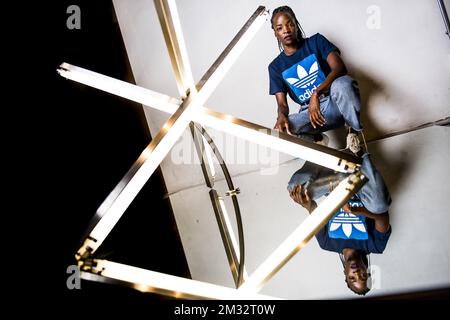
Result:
359,228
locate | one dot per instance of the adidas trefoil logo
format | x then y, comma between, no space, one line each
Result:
347,221
305,79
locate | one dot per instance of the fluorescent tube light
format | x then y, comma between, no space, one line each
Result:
151,281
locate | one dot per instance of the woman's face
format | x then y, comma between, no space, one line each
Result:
356,274
285,29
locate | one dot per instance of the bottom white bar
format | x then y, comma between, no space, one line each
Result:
151,281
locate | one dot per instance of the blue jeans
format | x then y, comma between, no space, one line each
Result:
374,194
342,106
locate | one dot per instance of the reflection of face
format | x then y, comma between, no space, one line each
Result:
285,29
356,275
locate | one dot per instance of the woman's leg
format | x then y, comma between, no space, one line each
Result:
374,194
318,180
344,93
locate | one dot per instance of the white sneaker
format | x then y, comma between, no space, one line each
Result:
353,142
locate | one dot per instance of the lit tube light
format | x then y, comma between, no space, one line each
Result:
305,231
119,88
150,281
275,140
171,27
234,49
321,155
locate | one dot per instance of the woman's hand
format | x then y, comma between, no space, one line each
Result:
315,116
353,210
302,198
347,208
282,124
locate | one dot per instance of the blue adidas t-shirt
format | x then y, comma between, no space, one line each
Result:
346,230
300,74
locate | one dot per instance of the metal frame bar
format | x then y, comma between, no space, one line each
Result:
237,265
239,247
444,16
201,153
225,234
233,261
232,257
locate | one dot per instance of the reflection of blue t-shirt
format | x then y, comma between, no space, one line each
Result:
300,74
354,232
347,225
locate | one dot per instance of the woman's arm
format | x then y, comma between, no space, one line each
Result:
338,69
381,220
282,123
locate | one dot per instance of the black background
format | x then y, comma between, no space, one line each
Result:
76,144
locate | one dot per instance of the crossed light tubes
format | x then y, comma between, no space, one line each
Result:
190,108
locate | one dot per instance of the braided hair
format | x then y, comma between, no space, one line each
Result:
285,9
